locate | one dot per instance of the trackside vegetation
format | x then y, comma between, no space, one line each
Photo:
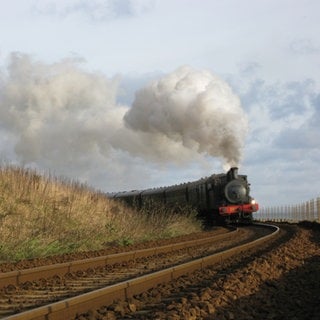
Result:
42,215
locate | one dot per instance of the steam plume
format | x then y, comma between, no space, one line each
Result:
194,109
60,117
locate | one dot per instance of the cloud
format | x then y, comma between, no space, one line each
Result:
304,47
307,135
94,10
283,100
282,149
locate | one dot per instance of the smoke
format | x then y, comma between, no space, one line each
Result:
194,109
57,113
63,118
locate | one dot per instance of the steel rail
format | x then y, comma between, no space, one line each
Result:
71,307
21,276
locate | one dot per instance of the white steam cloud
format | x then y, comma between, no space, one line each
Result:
194,109
63,118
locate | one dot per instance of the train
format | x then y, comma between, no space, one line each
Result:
221,198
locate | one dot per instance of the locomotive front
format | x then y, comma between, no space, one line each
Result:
237,204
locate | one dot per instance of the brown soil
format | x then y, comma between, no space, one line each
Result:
281,282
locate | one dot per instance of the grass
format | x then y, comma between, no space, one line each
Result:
44,215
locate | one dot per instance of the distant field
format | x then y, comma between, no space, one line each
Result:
45,215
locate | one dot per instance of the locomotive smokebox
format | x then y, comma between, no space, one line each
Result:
232,173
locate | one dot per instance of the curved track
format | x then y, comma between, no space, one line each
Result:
124,276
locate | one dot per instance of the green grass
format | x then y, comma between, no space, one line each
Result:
44,215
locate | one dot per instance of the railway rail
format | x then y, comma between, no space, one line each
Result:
117,276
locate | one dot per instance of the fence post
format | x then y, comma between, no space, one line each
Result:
312,205
302,211
270,214
294,212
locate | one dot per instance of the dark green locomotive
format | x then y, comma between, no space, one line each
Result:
218,197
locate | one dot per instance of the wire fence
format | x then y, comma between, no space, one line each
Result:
306,211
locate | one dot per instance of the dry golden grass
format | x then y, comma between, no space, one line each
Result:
44,215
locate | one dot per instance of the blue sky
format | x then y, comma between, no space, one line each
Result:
70,70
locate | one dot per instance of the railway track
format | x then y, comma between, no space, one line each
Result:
65,290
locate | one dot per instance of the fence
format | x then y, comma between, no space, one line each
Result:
306,211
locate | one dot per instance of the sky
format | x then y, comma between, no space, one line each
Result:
133,94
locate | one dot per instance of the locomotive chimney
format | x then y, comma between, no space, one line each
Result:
232,173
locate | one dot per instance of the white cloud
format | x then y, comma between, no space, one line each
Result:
282,150
267,50
99,11
304,46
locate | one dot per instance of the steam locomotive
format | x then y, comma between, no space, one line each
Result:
220,197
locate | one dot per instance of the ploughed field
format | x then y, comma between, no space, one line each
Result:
279,280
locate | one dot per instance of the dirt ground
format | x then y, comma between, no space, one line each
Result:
281,283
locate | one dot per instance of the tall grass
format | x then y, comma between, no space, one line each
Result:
45,215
